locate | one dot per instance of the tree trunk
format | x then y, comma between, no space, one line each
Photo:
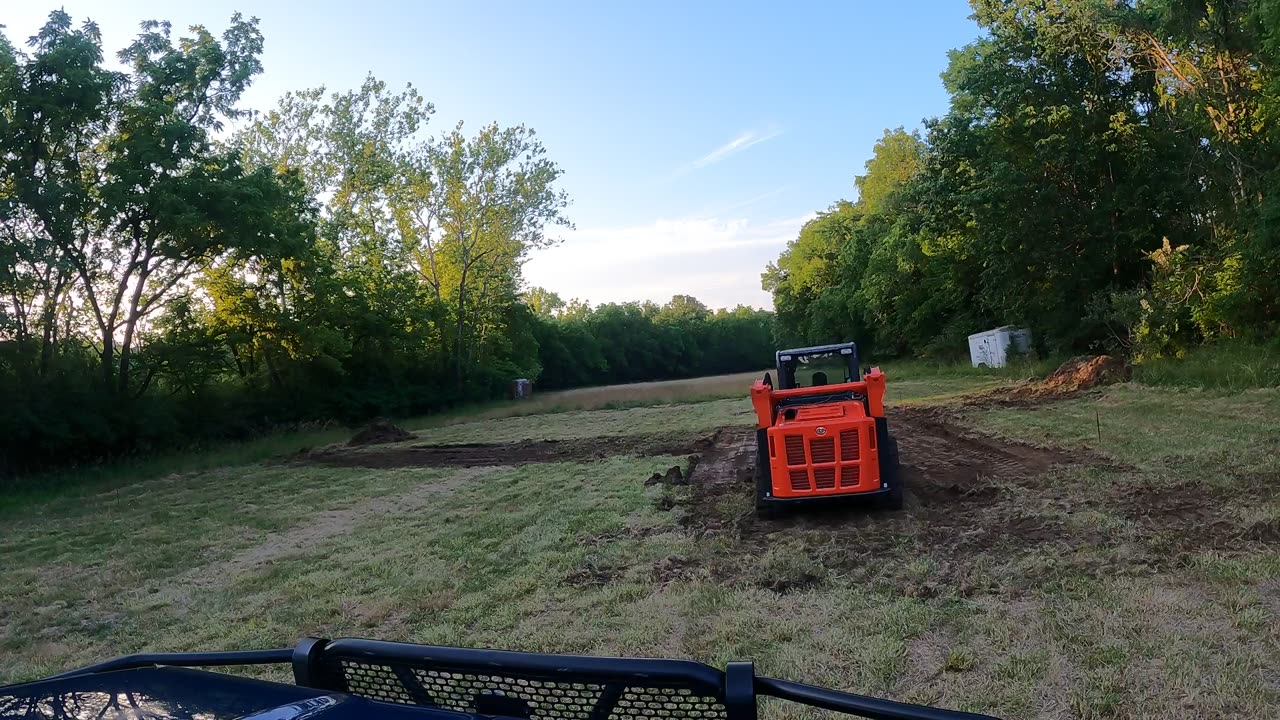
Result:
126,343
49,325
457,335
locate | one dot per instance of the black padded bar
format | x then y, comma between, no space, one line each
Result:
306,659
868,707
204,659
740,691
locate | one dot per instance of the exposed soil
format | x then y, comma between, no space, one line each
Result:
517,453
673,476
592,575
973,502
1084,372
379,432
1075,376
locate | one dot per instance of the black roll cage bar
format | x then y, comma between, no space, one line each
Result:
738,686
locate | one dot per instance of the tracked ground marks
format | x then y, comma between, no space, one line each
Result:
982,515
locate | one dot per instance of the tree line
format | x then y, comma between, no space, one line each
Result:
174,267
1106,175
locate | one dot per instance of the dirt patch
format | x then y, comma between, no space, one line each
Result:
673,569
1075,376
1189,516
379,432
1084,372
673,476
796,582
592,575
982,515
515,453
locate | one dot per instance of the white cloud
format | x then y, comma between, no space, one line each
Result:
717,260
734,146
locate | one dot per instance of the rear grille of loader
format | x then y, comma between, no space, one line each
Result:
827,465
795,450
849,448
822,450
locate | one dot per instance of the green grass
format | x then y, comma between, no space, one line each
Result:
1167,429
88,480
1078,604
1226,366
1023,368
686,418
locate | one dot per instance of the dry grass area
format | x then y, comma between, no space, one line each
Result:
616,397
1037,571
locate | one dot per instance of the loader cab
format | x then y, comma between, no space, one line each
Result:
814,367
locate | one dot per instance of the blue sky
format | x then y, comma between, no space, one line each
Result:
696,137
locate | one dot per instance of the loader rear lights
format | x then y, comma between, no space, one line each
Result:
850,449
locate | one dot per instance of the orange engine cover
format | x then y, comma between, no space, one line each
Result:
826,449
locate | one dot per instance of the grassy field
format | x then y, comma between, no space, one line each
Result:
1113,554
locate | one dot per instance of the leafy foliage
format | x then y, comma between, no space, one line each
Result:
326,260
1104,176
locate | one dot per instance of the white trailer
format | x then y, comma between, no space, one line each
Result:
991,348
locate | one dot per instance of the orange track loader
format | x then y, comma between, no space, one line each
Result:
822,433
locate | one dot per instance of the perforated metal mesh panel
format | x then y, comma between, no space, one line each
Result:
662,703
515,696
542,698
378,682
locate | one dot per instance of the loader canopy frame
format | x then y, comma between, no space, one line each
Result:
808,367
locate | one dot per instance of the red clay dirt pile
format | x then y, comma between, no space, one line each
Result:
1080,373
1084,372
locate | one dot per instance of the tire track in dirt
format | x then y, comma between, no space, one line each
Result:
985,512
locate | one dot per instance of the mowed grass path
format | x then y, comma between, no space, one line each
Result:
581,557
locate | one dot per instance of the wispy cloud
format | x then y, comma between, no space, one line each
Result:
733,147
716,259
744,204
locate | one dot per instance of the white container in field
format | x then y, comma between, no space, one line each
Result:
991,348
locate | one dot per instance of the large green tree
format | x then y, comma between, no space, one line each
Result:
114,195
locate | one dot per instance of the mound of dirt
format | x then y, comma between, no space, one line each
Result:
379,432
673,476
1085,371
1078,374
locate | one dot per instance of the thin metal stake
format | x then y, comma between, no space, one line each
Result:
1097,417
